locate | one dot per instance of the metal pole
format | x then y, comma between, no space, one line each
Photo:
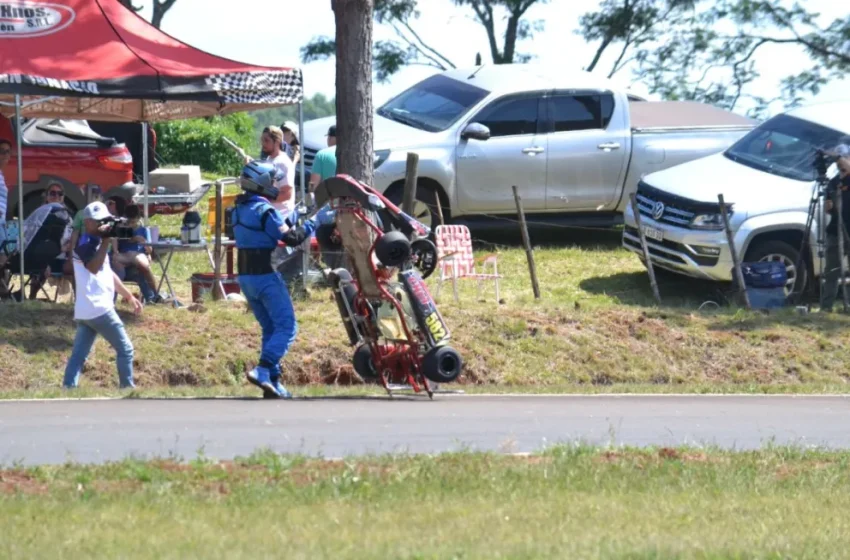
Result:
821,243
839,211
305,260
19,135
526,241
145,177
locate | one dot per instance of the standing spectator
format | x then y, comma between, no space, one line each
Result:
324,167
272,143
290,141
94,309
5,156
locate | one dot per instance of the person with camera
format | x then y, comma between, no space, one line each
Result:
257,228
94,309
840,185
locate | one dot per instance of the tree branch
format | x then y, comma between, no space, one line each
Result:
419,50
424,45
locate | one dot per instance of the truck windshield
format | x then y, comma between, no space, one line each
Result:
784,146
433,104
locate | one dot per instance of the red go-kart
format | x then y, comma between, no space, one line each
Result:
401,339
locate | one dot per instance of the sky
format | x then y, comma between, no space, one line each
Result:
271,32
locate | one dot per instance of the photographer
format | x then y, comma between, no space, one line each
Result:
94,309
840,184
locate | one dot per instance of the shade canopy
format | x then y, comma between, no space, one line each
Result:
98,60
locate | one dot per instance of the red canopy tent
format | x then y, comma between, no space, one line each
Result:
95,59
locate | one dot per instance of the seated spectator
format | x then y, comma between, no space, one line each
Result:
133,253
44,234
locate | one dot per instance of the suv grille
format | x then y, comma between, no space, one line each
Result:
677,210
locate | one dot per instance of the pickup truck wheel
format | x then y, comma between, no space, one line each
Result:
425,205
779,251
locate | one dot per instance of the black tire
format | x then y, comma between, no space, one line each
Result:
442,364
363,364
425,256
344,291
393,249
425,209
775,250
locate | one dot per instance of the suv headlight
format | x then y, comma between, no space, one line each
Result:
380,157
708,221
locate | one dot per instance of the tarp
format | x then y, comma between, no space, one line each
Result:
102,61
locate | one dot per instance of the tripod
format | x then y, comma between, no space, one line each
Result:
817,204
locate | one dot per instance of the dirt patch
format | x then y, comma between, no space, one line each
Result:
17,482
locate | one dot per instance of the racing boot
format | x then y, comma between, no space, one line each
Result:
261,377
280,391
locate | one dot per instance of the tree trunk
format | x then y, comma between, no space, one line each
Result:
354,87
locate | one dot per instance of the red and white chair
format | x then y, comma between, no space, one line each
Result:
455,259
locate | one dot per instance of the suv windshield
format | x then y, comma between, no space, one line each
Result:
433,104
784,146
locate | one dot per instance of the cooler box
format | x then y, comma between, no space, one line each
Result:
202,284
182,180
765,284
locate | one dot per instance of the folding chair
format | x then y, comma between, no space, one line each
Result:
455,258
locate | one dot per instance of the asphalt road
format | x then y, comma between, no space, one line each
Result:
49,432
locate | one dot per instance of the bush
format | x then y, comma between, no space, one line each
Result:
199,142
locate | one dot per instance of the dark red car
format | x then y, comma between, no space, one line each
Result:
73,154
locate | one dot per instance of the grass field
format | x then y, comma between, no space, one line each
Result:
574,502
595,329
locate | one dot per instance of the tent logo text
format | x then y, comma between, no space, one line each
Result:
22,20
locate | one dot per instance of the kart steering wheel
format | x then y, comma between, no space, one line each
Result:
424,256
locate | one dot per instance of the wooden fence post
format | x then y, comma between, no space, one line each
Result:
642,236
411,176
218,292
529,252
739,275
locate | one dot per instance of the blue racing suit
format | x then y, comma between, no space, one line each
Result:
256,226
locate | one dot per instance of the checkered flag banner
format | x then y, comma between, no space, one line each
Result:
259,87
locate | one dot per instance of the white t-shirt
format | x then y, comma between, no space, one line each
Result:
283,164
95,292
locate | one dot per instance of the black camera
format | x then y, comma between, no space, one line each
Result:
118,228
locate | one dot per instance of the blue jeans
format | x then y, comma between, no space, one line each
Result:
110,327
269,299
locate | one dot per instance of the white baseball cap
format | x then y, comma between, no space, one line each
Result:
96,211
842,149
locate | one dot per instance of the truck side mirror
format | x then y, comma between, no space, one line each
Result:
475,131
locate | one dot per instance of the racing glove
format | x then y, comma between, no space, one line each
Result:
295,236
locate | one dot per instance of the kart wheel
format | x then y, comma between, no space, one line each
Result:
344,291
392,249
425,256
442,364
363,364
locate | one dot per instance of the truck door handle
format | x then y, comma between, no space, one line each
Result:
534,150
608,146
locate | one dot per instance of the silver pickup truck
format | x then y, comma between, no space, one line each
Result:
575,145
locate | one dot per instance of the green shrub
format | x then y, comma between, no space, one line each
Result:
199,142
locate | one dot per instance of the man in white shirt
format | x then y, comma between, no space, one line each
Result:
94,310
272,143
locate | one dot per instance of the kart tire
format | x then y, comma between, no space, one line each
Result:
344,291
425,255
442,364
363,364
393,249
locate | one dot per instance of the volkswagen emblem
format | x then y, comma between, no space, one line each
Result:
658,210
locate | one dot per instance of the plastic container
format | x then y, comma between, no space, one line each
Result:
227,201
202,284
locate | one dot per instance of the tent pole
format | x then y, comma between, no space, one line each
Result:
305,262
19,134
145,177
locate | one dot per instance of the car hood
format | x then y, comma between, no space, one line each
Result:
388,134
749,189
